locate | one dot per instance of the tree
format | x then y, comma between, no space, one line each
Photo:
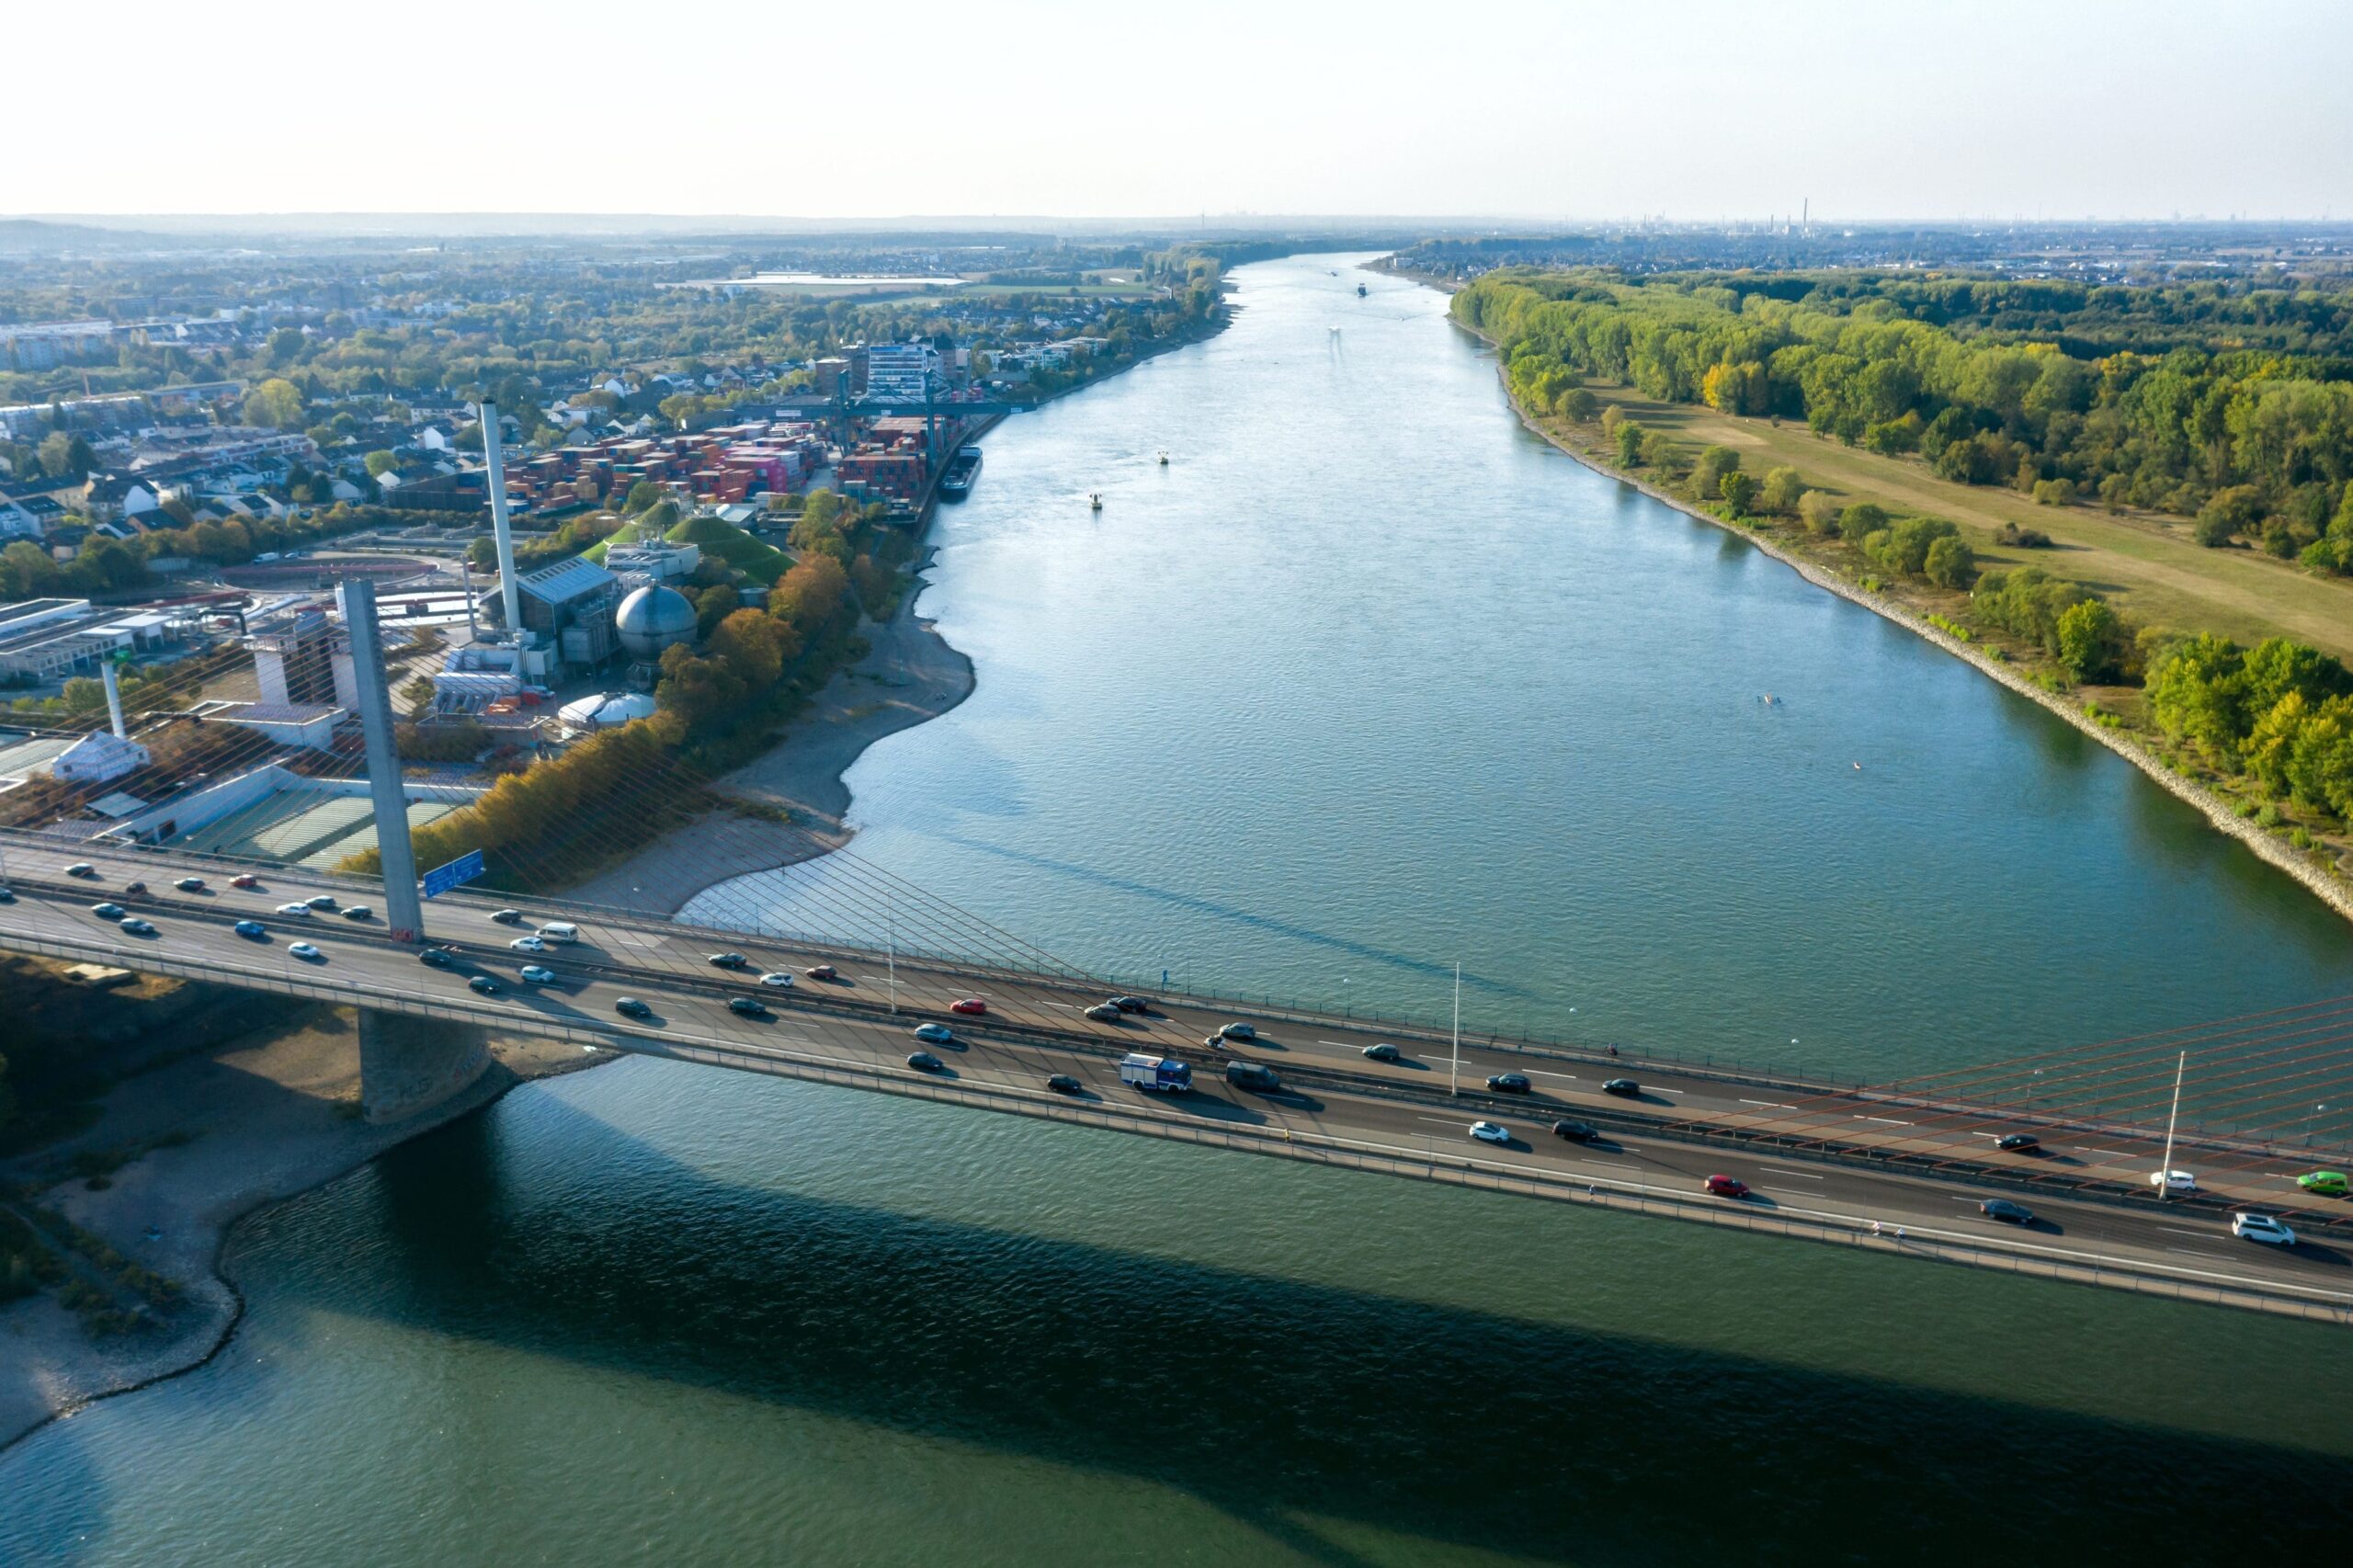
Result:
382,463
2089,642
275,404
1819,512
642,495
418,694
1738,490
64,455
1630,443
752,644
1707,474
1783,491
1578,405
1861,520
1951,563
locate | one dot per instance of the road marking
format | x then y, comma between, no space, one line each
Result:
1613,1165
2184,1231
2193,1252
1784,1170
1442,1120
1070,1004
1888,1120
1776,1105
2105,1153
1536,1072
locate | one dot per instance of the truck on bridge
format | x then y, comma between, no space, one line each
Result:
1163,1073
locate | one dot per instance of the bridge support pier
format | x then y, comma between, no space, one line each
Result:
408,1065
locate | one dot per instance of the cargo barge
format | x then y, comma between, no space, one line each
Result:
957,482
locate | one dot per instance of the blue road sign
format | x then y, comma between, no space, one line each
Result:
463,869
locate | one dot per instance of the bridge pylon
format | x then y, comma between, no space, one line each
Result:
403,912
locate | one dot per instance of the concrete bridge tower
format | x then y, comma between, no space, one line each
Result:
406,1064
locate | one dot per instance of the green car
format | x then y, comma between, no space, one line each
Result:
2327,1184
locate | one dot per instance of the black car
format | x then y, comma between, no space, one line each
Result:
925,1061
1626,1086
1576,1131
134,887
1062,1084
1131,1003
483,984
2019,1143
434,958
631,1008
508,917
1510,1083
190,884
728,961
1252,1075
2003,1208
750,1006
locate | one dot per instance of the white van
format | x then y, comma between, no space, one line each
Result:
559,931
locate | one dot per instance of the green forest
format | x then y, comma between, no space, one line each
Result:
2220,401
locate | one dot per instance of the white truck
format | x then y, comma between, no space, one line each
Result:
1164,1075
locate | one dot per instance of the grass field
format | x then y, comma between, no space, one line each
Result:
2148,565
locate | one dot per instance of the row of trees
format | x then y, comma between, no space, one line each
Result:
2256,444
2280,712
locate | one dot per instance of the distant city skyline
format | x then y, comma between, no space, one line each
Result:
1692,111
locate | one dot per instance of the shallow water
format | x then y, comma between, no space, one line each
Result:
1365,680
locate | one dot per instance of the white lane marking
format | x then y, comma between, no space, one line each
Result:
1338,1042
1539,1073
1784,1170
2184,1231
2193,1252
1888,1120
1654,1089
2105,1153
1070,1004
1612,1165
1774,1104
1442,1121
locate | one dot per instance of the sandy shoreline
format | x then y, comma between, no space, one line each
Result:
2218,810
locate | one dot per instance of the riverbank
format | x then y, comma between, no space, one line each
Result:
227,1133
2219,809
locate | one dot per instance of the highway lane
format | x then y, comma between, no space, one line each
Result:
1564,1082
1391,1119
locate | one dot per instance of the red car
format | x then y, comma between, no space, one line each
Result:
972,1005
1725,1187
247,880
819,971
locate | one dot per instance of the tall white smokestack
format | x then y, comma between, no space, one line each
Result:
114,699
495,461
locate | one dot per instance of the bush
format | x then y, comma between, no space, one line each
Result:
1784,491
1861,520
1819,513
2055,492
2021,538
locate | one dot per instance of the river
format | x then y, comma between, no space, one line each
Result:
1364,682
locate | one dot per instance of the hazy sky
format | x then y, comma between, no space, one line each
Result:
1689,109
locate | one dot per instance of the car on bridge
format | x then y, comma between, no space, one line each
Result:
971,1007
1238,1031
631,1008
1104,1013
1491,1133
134,887
934,1034
1253,1075
1624,1087
81,869
1131,1003
290,910
1576,1132
434,958
245,880
1725,1186
7,895
2173,1181
322,902
2018,1143
508,916
537,974
2009,1214
727,961
1064,1083
109,911
2265,1228
750,1006
306,952
779,979
1510,1083
1384,1051
2323,1184
251,929
528,945
138,927
925,1061
819,972
482,984
359,912
190,884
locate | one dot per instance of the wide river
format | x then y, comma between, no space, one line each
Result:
1364,682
